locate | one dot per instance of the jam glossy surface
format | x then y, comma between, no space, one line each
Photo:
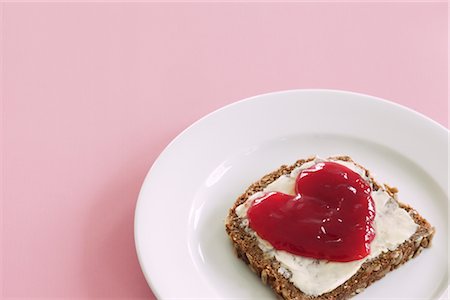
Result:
330,217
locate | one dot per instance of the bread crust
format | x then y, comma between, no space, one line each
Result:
247,249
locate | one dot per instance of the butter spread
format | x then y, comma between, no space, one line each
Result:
314,277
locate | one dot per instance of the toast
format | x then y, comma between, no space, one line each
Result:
276,275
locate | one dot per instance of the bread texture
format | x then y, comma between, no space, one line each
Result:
266,267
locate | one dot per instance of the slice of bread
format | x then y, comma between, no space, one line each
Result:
267,267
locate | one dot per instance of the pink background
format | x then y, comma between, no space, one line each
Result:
93,92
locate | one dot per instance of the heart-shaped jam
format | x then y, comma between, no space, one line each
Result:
330,217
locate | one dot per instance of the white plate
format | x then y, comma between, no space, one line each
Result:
179,223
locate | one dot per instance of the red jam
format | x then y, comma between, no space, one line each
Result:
330,217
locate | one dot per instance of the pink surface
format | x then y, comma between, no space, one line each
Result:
93,92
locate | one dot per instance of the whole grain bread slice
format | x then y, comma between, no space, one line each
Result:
266,267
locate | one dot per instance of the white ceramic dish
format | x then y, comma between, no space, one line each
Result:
181,243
